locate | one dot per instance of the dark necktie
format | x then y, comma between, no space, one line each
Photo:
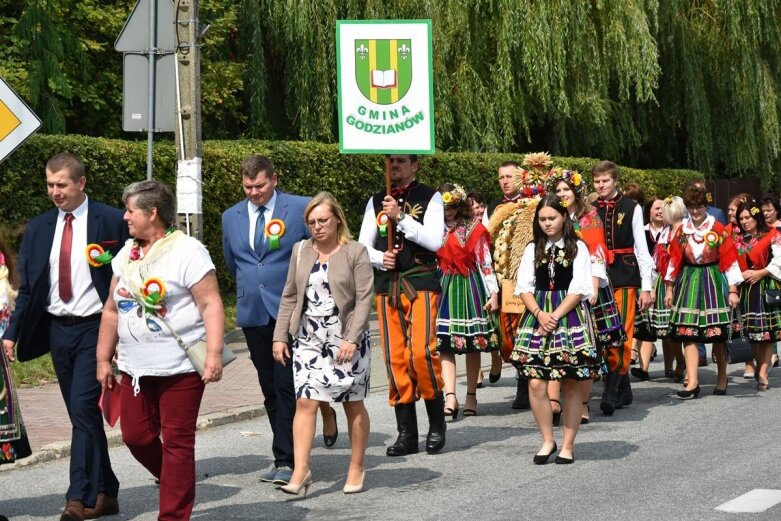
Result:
65,286
260,229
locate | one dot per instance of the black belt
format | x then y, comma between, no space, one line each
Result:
73,320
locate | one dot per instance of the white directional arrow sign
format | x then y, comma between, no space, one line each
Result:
17,121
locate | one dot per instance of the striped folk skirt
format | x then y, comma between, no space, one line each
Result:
700,312
568,352
463,326
654,323
610,327
761,323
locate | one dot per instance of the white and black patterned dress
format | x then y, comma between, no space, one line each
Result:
316,373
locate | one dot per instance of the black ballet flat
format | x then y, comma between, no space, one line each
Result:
640,374
688,394
560,460
542,459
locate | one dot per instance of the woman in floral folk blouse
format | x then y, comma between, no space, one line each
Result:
759,257
701,287
469,294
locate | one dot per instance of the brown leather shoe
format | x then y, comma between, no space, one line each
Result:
104,506
74,511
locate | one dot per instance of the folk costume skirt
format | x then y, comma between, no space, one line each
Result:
610,327
700,311
659,314
568,352
761,323
463,326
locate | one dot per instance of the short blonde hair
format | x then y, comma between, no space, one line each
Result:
342,230
673,210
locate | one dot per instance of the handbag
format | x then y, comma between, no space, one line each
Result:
773,298
196,352
737,350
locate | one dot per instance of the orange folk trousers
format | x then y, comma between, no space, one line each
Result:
408,336
618,358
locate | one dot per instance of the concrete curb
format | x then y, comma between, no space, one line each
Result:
62,449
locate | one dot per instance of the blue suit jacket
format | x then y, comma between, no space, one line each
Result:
260,277
717,214
30,322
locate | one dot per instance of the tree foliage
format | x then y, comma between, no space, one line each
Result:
648,82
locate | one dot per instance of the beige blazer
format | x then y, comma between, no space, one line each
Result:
351,279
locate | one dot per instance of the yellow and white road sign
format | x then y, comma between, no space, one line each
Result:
17,121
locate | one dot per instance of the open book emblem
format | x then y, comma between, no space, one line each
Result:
383,69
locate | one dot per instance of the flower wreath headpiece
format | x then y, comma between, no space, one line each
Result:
572,177
454,196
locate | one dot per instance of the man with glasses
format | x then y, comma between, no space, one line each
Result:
258,235
402,232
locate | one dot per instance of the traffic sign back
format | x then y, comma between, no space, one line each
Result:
135,35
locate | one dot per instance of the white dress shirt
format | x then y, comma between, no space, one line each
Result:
252,212
85,301
427,234
644,260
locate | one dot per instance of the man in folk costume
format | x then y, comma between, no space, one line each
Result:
630,268
407,288
510,226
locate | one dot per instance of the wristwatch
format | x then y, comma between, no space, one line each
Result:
401,216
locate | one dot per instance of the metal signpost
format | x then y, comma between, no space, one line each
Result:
148,41
17,121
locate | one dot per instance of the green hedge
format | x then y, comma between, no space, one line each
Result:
304,168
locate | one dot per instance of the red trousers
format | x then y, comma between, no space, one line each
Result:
166,405
408,335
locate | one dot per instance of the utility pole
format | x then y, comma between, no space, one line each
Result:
187,130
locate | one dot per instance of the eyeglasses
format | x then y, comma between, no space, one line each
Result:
321,222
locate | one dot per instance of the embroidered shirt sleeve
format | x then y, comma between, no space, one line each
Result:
486,267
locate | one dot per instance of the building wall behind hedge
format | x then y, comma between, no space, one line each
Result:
304,168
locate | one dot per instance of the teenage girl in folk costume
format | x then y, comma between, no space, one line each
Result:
555,339
701,286
570,186
469,294
759,258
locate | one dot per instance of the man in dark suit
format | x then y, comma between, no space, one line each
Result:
258,235
58,309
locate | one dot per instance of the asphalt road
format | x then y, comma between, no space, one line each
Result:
660,459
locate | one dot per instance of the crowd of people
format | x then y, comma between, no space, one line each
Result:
570,286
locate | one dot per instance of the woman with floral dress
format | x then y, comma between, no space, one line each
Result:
759,257
555,339
324,310
701,287
469,294
571,188
13,437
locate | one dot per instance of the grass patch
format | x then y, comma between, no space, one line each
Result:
41,370
35,372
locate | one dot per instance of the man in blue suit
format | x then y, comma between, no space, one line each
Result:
259,256
58,309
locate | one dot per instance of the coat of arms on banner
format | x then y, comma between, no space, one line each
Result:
383,69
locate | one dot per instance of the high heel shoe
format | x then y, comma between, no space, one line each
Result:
585,419
296,490
542,459
470,411
480,378
640,374
493,378
719,392
687,394
452,410
330,439
556,415
762,386
354,489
